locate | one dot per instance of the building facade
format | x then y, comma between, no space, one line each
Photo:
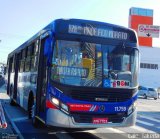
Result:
149,55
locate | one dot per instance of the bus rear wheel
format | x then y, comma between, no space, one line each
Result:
12,102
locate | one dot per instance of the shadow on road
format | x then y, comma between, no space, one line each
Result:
28,131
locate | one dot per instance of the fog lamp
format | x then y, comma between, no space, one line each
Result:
64,107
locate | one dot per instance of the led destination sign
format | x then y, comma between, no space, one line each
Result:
72,71
98,32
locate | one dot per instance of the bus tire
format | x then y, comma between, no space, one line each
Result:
145,96
12,102
30,105
35,122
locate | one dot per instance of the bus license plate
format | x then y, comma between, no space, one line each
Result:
100,120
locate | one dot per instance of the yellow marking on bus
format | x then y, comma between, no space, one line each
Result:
40,119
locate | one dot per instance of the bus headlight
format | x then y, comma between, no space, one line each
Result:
130,110
55,101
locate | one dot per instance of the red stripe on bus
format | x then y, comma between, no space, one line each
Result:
79,107
50,105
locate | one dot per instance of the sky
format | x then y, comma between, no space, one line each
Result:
21,19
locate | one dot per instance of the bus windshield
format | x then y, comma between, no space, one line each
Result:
97,65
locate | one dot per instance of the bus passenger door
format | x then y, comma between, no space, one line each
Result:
42,80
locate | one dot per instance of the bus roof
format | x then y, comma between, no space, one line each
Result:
82,27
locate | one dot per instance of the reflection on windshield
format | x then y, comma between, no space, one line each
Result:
89,64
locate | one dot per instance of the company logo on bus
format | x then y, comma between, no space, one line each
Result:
101,99
102,108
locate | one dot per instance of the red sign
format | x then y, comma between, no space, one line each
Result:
80,107
100,120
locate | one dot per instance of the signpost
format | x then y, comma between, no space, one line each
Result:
148,31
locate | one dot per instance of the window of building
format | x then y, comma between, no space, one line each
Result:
142,12
150,13
148,66
135,11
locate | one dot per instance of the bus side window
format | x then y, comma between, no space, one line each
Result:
22,61
11,64
34,54
21,66
28,58
34,78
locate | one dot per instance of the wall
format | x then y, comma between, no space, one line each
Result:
150,77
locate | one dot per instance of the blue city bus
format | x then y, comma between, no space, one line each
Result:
76,74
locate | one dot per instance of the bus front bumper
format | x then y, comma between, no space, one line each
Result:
57,118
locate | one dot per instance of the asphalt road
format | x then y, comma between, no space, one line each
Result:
147,125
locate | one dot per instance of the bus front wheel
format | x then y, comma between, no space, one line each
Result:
35,121
30,105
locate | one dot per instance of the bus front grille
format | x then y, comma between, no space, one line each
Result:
101,96
88,118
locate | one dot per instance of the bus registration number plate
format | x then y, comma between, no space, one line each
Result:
100,120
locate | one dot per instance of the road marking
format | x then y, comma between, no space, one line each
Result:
116,130
149,118
20,119
146,123
14,126
108,128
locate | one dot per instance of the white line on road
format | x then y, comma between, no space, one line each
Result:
102,130
19,119
149,118
146,123
116,130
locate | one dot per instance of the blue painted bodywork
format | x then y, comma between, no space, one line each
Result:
59,30
109,106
